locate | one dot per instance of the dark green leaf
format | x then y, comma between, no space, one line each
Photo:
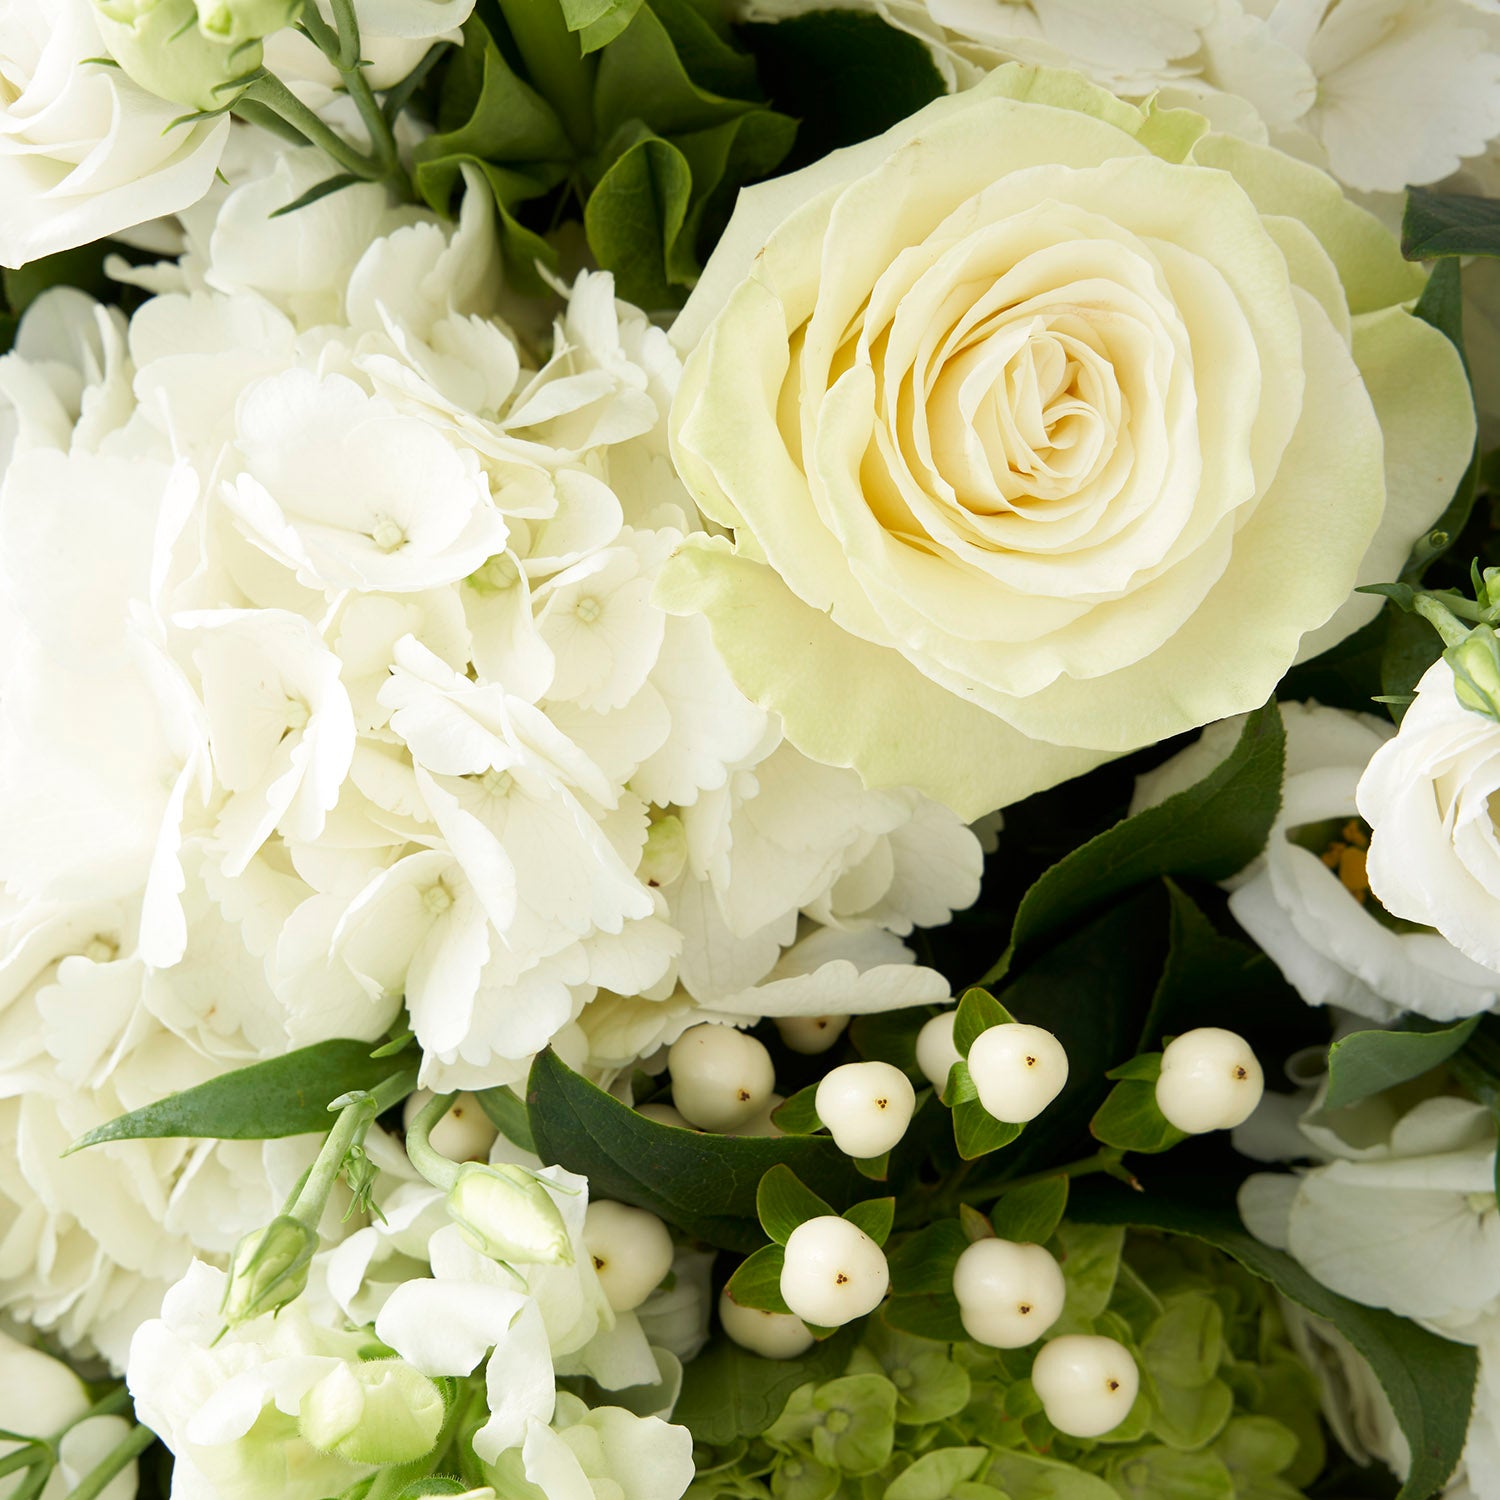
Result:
799,1114
932,1316
757,1280
977,1011
1449,224
976,1132
847,76
1411,646
891,1036
1031,1212
1145,1066
733,1394
1210,830
1368,1062
782,1203
875,1216
287,1095
82,267
710,59
922,1262
876,1168
1130,1120
1430,1381
634,219
704,1184
507,1113
598,22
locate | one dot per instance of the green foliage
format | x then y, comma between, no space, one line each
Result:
782,1203
287,1095
798,1115
757,1279
1440,224
507,1113
875,1216
1029,1213
1130,1119
978,1010
1369,1062
642,116
704,1184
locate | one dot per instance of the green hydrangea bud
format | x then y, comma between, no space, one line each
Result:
268,1269
236,21
1476,671
160,46
508,1214
379,1412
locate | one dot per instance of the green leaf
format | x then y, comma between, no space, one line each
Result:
757,1280
1368,1062
1210,830
1145,1067
1028,1476
876,1168
1089,1255
923,1261
733,1393
598,22
891,1036
782,1203
977,1012
82,267
507,1113
704,1184
976,1132
287,1095
934,1475
1449,224
1411,646
634,219
799,1114
931,1315
875,1216
1131,1120
1430,1381
1030,1212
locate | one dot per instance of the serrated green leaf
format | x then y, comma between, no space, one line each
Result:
1449,224
757,1280
782,1203
1210,830
1430,1381
1368,1062
1030,1212
734,1394
978,1010
282,1096
506,1111
704,1184
798,1115
922,1262
1131,1120
875,1216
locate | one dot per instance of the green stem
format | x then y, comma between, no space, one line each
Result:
131,1446
273,94
351,69
350,1129
433,1165
35,1452
1442,619
110,1404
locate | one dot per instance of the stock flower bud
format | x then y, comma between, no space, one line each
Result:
159,46
380,1412
236,21
1476,671
268,1268
506,1212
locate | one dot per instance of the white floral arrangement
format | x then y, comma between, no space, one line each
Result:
748,752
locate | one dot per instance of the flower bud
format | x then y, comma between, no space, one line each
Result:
159,46
1476,671
236,21
507,1213
379,1412
268,1269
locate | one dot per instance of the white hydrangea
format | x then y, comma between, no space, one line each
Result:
1381,93
335,685
1307,901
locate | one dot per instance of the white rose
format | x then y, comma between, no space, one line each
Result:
84,152
1434,844
1306,901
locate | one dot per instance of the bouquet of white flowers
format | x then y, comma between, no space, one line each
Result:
749,752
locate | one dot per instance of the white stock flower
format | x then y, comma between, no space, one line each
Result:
1307,900
1434,844
84,152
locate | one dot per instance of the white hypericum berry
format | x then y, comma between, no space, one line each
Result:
631,1251
463,1134
771,1335
1018,1070
866,1107
834,1272
763,1124
1209,1080
936,1053
663,1114
1087,1383
721,1078
1008,1294
810,1035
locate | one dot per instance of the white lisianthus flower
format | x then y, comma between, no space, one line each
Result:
1307,901
1434,843
1405,1219
1030,523
84,152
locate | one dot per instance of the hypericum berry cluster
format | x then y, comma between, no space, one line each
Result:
721,1078
1209,1080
